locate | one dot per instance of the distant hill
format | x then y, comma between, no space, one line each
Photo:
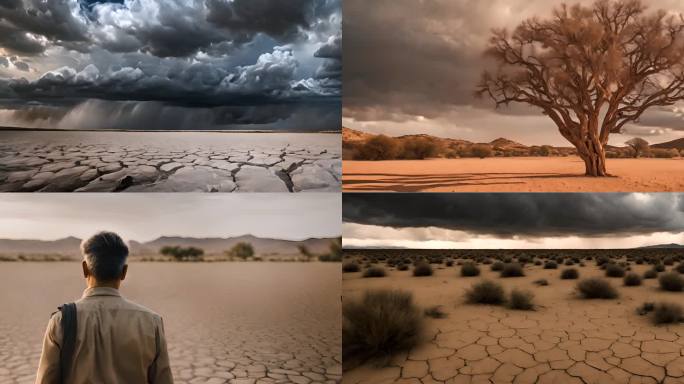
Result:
671,246
677,144
70,246
351,135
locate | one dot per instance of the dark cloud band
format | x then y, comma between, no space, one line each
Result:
524,214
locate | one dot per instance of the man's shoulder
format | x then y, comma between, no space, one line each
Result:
133,306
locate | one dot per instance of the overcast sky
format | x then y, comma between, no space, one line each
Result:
233,64
412,67
144,217
463,220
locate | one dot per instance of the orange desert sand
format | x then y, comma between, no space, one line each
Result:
566,340
526,174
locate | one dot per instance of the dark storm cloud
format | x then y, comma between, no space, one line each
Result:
509,215
407,58
231,60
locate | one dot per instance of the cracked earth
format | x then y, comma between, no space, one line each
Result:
169,162
566,340
237,323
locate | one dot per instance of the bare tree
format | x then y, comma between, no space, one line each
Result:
591,69
639,146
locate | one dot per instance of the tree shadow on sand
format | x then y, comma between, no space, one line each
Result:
376,182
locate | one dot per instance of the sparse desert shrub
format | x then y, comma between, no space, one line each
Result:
422,269
632,279
402,267
668,313
671,281
482,150
497,266
541,282
537,262
449,263
435,312
659,267
379,147
374,272
668,260
646,308
613,270
550,265
663,153
596,288
569,274
350,266
680,268
512,270
419,148
382,323
486,292
522,300
469,269
650,274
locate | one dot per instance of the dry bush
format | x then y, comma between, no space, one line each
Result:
374,272
613,270
379,147
550,265
668,313
512,270
435,312
522,300
422,269
419,148
481,150
632,280
486,292
469,269
350,266
569,274
596,288
671,281
650,274
382,323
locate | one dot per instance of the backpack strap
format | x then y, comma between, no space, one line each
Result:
69,326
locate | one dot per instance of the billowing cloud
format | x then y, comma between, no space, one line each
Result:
405,59
522,215
174,55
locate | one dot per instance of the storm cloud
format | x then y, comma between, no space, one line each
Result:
521,215
407,61
174,54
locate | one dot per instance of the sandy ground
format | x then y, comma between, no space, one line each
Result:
525,174
225,322
169,162
566,340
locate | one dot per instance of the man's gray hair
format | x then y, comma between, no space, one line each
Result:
105,253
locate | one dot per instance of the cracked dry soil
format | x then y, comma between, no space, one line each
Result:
566,340
169,162
225,322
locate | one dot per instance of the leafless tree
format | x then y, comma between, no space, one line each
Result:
639,146
591,69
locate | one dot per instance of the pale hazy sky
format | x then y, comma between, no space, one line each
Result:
506,221
145,217
421,77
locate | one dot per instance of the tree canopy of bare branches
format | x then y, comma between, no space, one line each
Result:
591,69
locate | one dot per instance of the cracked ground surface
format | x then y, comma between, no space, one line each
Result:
566,340
225,322
169,162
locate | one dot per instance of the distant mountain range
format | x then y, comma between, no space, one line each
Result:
672,246
352,137
262,246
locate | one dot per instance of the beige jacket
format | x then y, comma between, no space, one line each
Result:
117,342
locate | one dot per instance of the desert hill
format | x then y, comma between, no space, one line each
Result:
676,144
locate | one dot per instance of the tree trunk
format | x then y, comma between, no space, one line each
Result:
594,157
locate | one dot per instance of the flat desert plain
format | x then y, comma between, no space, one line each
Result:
105,161
565,339
225,322
512,174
